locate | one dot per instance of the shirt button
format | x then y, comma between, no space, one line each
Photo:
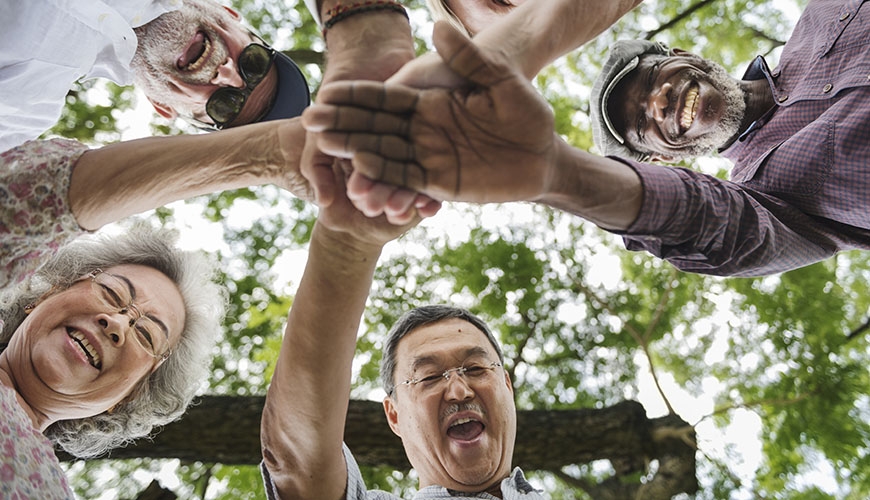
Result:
827,88
845,15
782,98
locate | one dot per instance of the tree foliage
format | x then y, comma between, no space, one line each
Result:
584,323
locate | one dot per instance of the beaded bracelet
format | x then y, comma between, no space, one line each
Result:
341,12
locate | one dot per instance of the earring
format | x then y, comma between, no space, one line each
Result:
29,308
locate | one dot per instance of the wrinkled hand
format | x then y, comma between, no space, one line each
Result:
490,142
369,47
427,71
342,217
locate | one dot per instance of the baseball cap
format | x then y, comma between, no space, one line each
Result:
292,95
623,58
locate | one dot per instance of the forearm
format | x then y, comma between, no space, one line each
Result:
130,177
537,32
703,224
304,416
604,191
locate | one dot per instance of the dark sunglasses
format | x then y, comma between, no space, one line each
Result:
226,103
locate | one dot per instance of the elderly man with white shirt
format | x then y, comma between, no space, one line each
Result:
220,73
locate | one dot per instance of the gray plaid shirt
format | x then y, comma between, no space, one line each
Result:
514,487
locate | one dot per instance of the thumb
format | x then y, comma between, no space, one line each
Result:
467,59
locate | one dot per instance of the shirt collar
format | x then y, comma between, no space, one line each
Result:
757,70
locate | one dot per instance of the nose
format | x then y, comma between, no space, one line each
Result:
115,326
228,75
658,101
457,388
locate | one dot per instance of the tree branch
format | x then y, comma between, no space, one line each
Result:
858,331
678,18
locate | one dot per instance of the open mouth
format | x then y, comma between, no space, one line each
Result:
690,107
86,347
465,429
194,56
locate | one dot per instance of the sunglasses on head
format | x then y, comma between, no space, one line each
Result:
226,103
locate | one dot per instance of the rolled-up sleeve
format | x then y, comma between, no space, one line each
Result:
703,224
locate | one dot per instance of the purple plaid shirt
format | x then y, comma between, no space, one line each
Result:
800,188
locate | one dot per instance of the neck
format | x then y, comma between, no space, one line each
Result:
39,420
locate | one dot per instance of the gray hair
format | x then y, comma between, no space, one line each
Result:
417,318
440,11
164,395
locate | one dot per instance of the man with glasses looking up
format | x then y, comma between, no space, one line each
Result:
448,396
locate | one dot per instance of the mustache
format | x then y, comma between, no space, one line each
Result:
456,408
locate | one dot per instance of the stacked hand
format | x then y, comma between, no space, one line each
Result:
368,47
491,140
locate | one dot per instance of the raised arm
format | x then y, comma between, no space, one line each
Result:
304,417
537,32
530,36
130,177
365,45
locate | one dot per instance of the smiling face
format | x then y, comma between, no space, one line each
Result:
458,433
185,55
73,357
677,106
475,15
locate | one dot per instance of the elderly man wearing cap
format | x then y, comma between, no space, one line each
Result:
798,137
88,188
195,60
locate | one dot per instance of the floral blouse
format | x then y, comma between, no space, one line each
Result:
28,466
35,220
35,217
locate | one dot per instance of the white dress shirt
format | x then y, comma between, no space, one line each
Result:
47,45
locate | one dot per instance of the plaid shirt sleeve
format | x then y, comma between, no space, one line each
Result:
707,225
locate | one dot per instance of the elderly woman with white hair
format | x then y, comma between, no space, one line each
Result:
105,338
108,340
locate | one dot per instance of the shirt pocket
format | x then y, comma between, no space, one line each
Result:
800,165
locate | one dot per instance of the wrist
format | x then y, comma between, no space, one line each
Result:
367,45
345,245
342,11
602,190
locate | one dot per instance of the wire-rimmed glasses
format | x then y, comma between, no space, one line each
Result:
116,294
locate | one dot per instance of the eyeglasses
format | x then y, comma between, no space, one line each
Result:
470,372
226,103
115,294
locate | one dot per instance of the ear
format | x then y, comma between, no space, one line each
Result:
163,110
233,13
392,414
507,381
679,52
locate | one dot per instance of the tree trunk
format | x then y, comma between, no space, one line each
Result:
225,429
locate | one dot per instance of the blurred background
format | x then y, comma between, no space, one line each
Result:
770,374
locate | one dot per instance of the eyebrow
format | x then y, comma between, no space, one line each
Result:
431,360
153,318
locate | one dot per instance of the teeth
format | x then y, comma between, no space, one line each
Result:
461,421
93,355
690,109
200,60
